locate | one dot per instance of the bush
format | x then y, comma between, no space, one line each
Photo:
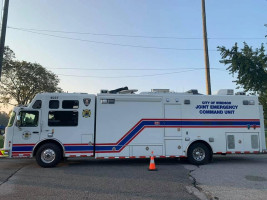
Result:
1,141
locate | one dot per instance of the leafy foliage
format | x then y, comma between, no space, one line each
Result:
250,67
22,80
3,119
263,102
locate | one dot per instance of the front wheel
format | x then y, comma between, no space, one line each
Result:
199,154
48,155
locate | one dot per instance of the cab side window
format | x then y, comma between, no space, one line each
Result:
63,118
54,104
29,118
70,104
11,119
37,104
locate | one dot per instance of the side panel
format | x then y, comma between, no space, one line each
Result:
144,150
136,122
123,128
209,118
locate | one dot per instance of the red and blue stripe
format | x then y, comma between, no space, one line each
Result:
140,126
173,123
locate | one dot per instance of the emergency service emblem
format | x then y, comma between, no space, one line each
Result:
86,101
26,135
86,113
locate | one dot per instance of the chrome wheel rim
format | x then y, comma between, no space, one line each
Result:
48,156
199,154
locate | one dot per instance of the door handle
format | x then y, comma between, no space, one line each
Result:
35,132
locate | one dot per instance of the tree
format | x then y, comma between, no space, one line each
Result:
3,119
250,66
22,80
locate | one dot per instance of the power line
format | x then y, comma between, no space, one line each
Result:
131,76
109,43
135,36
127,69
105,34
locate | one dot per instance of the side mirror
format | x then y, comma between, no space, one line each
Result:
18,122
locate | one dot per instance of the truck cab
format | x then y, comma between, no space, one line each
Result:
63,121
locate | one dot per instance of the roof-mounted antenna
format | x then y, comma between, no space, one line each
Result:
118,90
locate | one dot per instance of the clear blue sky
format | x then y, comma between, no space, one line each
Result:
173,18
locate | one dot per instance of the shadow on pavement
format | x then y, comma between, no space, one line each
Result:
119,162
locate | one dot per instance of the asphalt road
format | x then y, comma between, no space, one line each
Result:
95,179
227,177
236,177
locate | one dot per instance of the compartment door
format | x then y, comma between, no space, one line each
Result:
234,142
172,112
242,141
251,142
173,147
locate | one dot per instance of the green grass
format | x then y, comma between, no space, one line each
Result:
266,137
1,141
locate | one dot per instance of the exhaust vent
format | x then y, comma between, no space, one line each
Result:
225,92
160,90
240,93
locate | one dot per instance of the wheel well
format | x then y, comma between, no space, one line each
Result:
45,142
203,142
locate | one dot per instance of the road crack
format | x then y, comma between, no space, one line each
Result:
197,190
194,180
10,176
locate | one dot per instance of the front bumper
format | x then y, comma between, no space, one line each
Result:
4,153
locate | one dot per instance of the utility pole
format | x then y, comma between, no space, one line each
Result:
206,51
3,34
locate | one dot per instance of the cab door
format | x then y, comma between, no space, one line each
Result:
26,133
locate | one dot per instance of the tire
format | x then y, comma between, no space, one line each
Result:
199,154
48,155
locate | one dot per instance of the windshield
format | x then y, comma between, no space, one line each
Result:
11,119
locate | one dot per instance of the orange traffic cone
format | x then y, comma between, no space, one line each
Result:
152,166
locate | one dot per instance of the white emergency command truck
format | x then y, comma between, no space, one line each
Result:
121,124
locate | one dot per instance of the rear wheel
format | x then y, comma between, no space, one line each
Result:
48,155
199,154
